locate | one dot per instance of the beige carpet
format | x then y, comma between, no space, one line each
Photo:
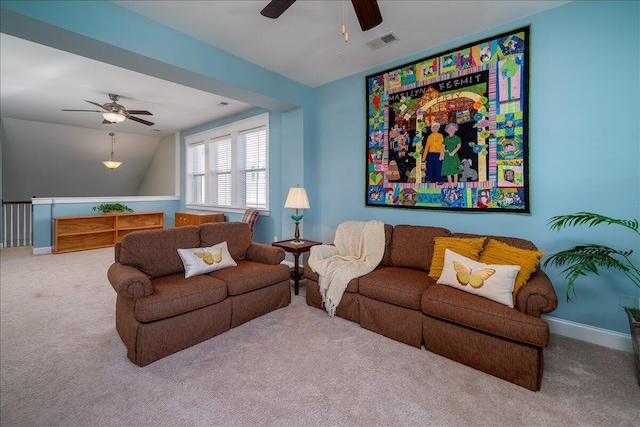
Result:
62,364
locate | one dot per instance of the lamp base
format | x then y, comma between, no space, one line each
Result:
297,242
297,232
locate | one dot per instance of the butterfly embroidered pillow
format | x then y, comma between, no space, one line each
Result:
205,260
491,281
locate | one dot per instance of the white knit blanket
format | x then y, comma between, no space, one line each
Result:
357,249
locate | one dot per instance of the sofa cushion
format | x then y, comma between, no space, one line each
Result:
236,234
155,252
249,276
491,281
459,307
412,246
496,252
396,285
205,260
469,248
174,294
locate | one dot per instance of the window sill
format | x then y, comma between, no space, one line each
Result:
224,209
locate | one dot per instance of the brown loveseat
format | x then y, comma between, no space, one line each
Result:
401,301
160,312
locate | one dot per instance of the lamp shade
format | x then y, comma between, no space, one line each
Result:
297,199
114,117
111,164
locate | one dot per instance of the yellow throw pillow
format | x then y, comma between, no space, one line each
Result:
497,252
467,247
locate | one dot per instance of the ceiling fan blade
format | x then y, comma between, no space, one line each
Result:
139,120
275,8
89,111
94,103
140,112
368,13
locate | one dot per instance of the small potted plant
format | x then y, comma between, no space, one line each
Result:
109,208
586,258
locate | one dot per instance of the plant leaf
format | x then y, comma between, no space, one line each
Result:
591,220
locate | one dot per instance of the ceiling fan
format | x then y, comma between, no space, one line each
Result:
116,113
367,11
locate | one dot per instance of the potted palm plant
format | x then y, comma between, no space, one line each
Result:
587,258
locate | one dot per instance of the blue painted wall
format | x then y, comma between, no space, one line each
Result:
584,127
584,147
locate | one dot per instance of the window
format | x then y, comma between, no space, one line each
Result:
227,167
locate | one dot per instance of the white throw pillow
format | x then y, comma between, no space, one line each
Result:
204,260
491,281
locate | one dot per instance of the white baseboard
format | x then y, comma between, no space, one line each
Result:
43,251
591,334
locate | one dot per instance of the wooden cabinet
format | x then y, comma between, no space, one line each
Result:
78,233
197,218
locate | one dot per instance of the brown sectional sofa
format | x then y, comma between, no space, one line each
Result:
401,301
160,312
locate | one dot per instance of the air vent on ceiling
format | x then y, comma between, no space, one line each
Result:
382,41
222,104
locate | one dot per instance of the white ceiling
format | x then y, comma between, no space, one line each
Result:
304,44
37,82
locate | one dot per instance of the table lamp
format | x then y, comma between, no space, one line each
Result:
297,199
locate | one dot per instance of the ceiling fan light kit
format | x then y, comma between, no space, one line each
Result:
114,117
112,112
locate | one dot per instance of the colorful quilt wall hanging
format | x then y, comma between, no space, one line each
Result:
451,131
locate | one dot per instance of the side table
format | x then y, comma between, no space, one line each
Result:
296,250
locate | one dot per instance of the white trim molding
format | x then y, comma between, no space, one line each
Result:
43,250
591,334
66,200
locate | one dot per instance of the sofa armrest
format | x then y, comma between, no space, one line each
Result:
267,254
129,282
538,296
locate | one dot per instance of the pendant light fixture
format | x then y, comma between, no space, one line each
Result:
112,163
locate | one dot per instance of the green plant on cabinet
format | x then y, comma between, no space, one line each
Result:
112,207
